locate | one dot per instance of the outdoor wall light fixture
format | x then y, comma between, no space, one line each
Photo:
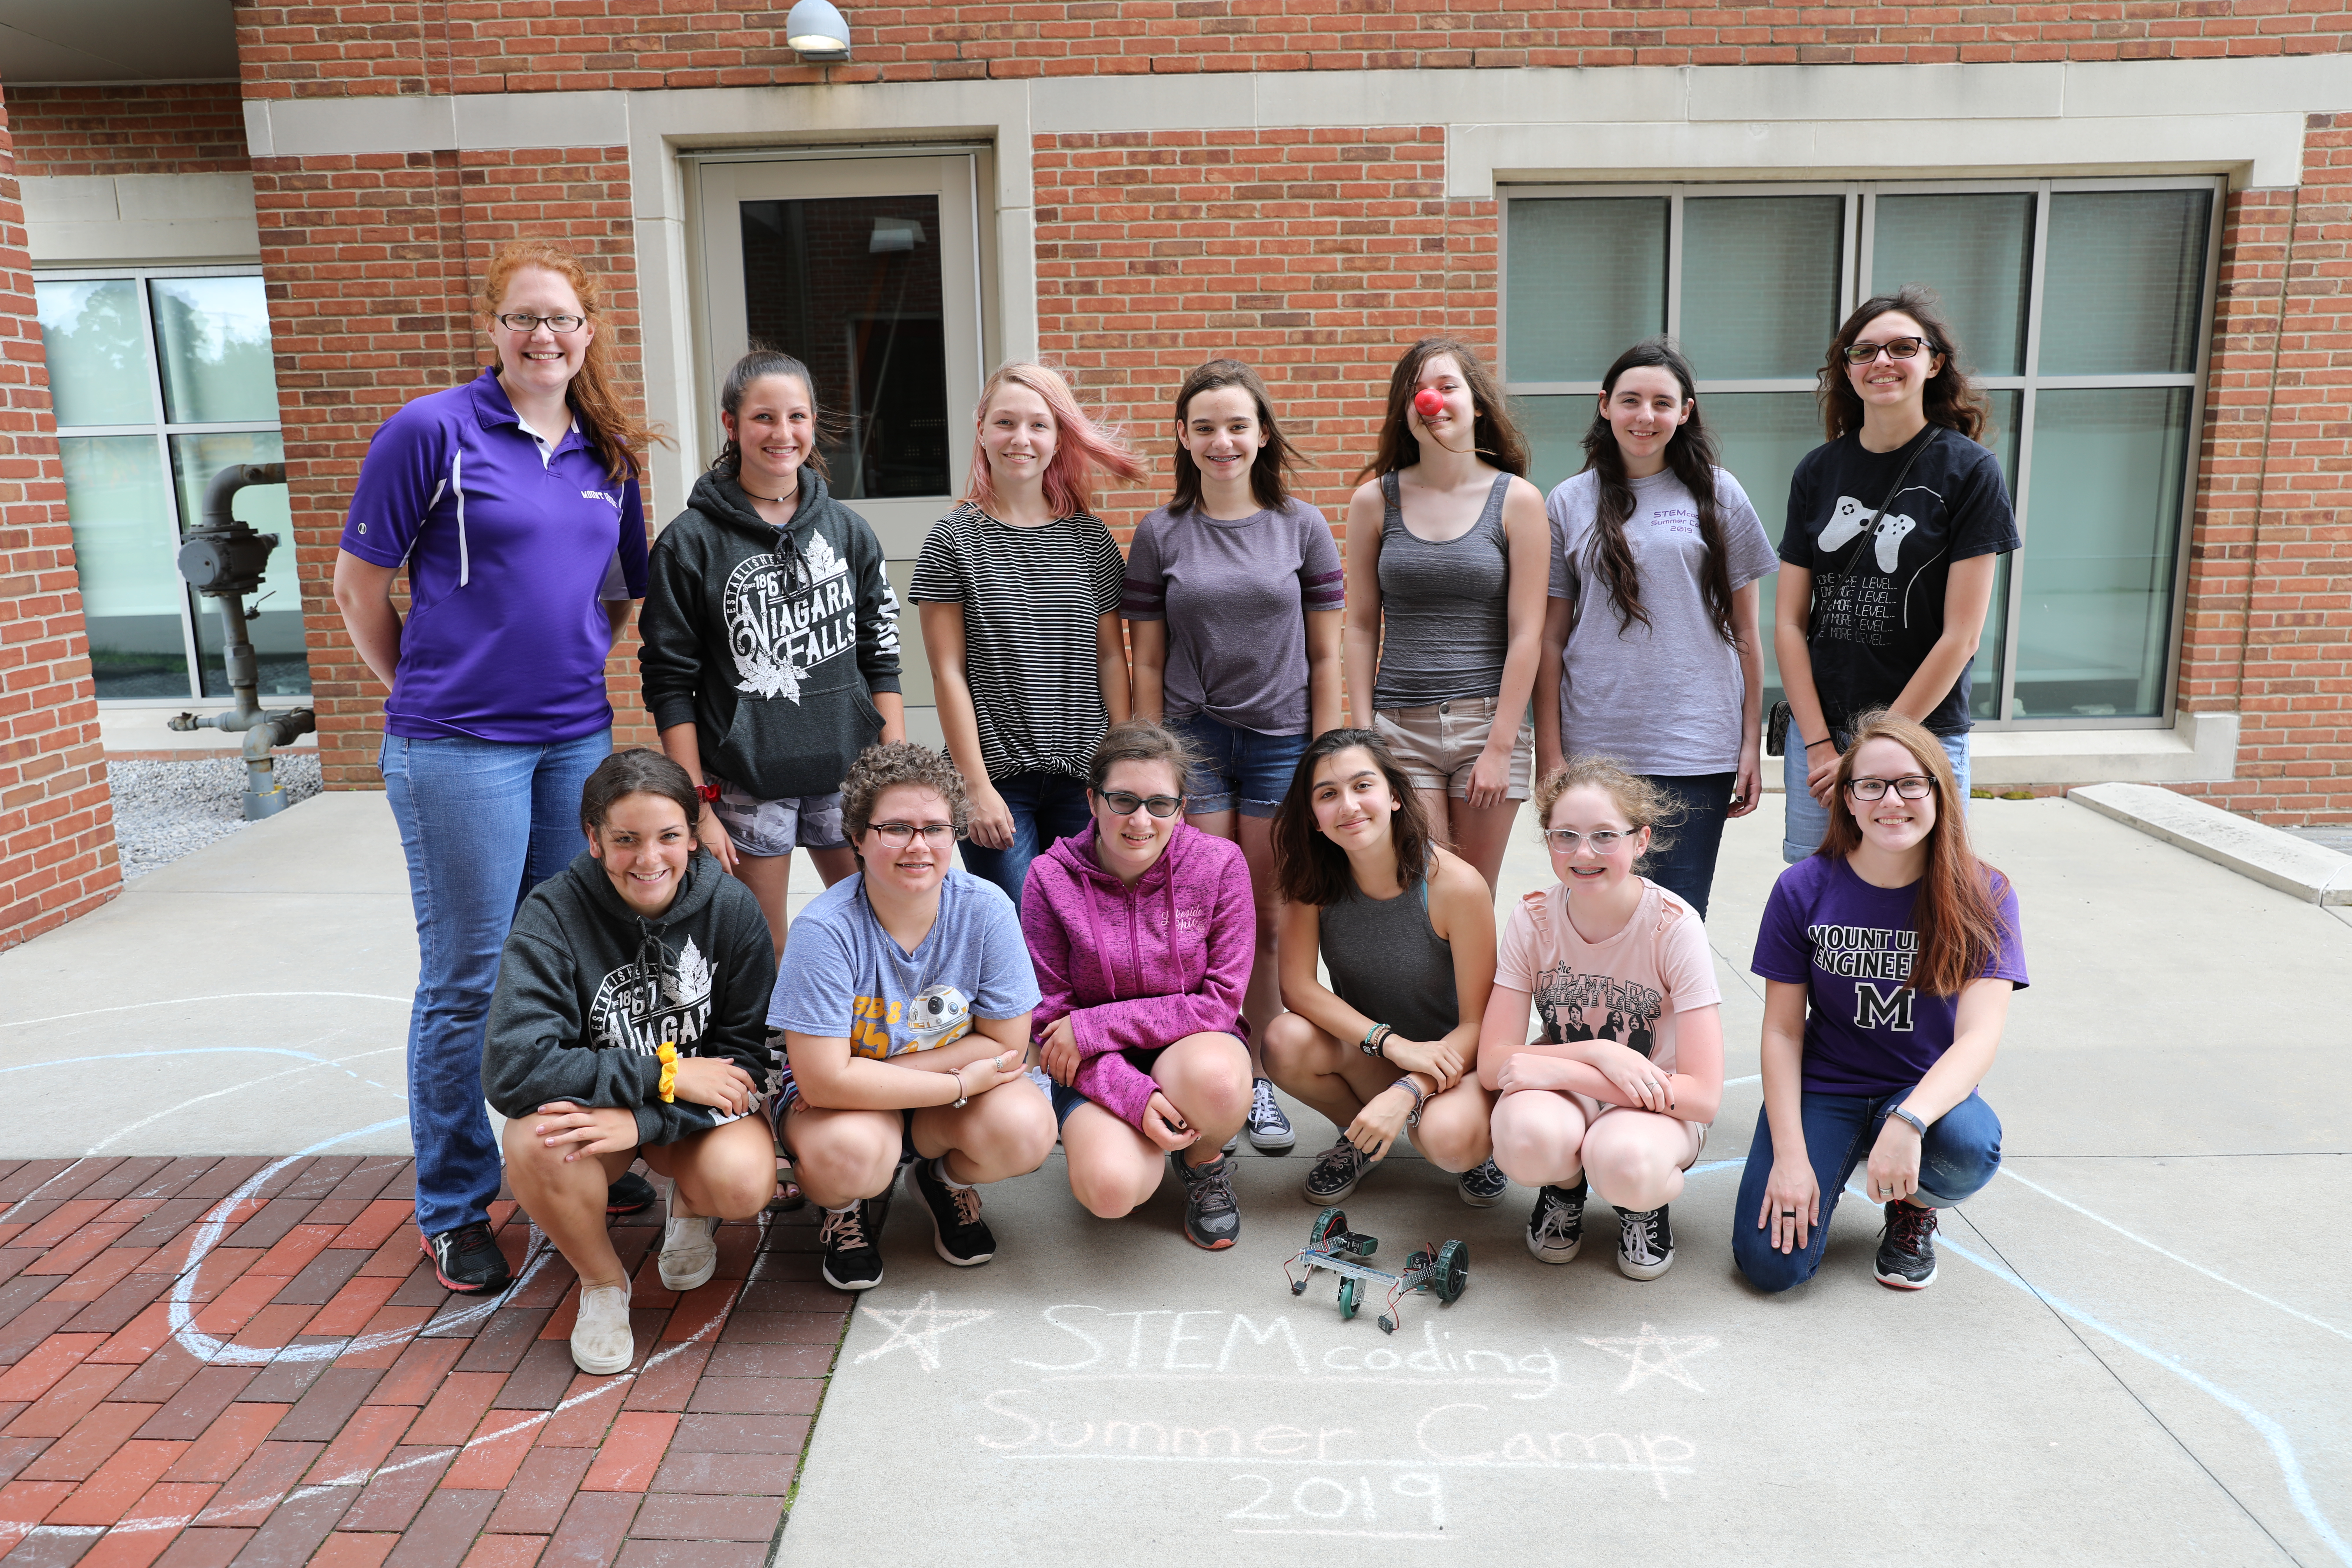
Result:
817,32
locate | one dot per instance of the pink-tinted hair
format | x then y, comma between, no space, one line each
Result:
1082,448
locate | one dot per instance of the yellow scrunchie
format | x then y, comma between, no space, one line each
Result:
667,1056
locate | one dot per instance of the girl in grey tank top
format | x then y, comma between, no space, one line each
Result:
1445,621
1405,931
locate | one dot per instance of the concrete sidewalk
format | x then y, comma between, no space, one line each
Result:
2139,1349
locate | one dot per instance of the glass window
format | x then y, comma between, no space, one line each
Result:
1977,253
851,287
1761,281
2080,626
1594,281
143,432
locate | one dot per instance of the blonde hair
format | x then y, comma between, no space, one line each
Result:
1642,803
1082,448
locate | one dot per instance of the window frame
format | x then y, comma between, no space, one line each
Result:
162,429
1861,233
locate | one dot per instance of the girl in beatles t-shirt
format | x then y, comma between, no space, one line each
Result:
1617,1093
1889,956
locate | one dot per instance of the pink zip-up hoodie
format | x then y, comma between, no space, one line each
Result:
1137,968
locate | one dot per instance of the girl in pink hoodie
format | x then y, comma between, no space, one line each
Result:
1142,932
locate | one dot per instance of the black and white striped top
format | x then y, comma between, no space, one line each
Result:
1032,600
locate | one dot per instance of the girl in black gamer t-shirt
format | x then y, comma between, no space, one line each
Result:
1895,526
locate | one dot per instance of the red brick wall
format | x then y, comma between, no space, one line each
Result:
2272,586
57,821
168,128
536,46
371,264
1316,256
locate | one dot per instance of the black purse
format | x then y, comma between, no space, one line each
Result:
1776,723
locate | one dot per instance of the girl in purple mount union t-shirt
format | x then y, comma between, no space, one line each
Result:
1890,955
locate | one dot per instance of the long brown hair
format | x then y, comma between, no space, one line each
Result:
1494,435
1690,457
1274,454
605,422
1309,868
1956,912
1953,398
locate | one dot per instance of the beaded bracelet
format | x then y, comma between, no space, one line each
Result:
667,1056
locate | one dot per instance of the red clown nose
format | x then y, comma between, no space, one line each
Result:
1428,401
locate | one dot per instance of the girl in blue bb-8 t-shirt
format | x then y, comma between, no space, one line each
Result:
1890,955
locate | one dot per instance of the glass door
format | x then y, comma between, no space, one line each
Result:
866,269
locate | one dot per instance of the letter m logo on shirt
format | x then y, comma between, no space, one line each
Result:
1873,1008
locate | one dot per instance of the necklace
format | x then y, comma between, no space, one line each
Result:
772,500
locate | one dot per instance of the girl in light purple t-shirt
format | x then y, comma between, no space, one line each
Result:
1234,601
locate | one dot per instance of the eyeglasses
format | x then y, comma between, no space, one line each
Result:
524,321
1894,348
1910,786
1564,840
898,835
1122,804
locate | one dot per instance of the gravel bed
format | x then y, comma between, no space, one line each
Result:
165,810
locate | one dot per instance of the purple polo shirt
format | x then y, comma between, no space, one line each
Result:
507,557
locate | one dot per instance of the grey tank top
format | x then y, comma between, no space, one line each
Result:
1388,962
1445,611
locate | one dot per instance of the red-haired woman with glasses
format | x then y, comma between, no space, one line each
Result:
1896,528
1020,592
1889,956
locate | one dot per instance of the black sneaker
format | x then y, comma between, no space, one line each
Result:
852,1261
1645,1243
1482,1186
1556,1225
1906,1247
1212,1219
1270,1131
467,1262
1336,1173
631,1195
958,1232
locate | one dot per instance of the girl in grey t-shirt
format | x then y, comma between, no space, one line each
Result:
1651,652
1233,598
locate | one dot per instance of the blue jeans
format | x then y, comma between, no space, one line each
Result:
1238,767
1961,1153
1808,819
1685,868
482,823
1044,806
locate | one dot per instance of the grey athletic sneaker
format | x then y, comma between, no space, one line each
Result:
1336,1173
1270,1129
1483,1186
1906,1247
1212,1218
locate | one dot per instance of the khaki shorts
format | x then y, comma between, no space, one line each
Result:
1438,745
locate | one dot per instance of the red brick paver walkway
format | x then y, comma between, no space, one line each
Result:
206,1362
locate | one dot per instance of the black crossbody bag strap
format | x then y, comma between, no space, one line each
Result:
1869,533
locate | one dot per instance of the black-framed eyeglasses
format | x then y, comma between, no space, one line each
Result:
524,321
1910,786
1123,803
1564,840
1894,348
898,835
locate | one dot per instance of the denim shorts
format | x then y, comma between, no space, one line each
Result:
769,827
1238,767
1066,1099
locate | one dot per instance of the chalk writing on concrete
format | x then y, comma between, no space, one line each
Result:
934,1321
1654,1354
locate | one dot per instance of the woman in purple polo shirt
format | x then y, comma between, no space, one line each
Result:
511,502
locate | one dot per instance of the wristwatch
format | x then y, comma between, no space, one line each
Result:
1916,1125
1374,1038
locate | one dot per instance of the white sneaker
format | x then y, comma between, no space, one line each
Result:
601,1344
689,1253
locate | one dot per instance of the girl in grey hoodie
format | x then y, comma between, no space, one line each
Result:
630,1019
771,638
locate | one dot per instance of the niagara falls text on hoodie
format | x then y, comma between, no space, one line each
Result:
589,989
1141,967
770,641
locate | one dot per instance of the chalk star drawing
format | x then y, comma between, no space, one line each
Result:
936,1320
1667,1360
